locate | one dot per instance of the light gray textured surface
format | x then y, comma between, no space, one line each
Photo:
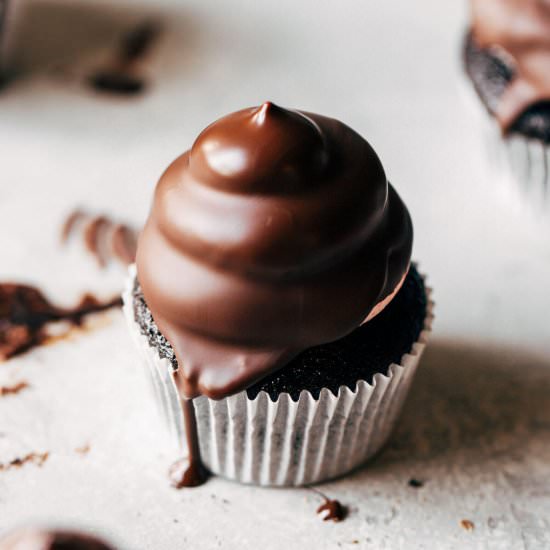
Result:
476,428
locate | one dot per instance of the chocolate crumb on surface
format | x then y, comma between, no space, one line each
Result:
467,524
25,312
14,389
31,458
369,349
416,483
332,510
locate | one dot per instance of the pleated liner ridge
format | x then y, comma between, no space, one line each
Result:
286,442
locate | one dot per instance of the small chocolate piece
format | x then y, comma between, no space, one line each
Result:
120,77
415,483
332,510
25,311
38,539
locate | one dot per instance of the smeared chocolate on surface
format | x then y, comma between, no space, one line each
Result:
25,312
103,237
31,458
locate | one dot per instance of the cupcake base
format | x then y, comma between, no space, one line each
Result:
297,437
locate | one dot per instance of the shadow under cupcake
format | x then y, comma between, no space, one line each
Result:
274,300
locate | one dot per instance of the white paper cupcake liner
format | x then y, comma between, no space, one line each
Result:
522,162
286,442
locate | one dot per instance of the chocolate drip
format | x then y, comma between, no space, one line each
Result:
25,312
190,471
102,237
517,32
276,232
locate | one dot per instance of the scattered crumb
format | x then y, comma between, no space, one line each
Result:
14,389
415,483
34,458
467,524
84,450
332,510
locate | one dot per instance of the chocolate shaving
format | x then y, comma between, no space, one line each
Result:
25,312
34,458
14,389
93,235
103,238
124,243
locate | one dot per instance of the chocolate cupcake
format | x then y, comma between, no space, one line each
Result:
507,58
275,302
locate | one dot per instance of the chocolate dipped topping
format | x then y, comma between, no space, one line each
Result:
517,33
276,232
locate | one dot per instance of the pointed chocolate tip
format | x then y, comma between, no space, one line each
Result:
267,108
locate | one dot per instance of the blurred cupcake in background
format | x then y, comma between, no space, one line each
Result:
275,302
507,58
50,539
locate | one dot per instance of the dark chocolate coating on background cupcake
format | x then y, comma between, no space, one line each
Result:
507,57
276,232
38,539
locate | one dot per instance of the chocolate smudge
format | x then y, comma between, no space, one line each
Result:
14,389
25,312
103,237
330,509
34,458
119,77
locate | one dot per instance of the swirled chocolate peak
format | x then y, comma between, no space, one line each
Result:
276,232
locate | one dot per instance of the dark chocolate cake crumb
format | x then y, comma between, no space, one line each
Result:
490,74
368,350
415,483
